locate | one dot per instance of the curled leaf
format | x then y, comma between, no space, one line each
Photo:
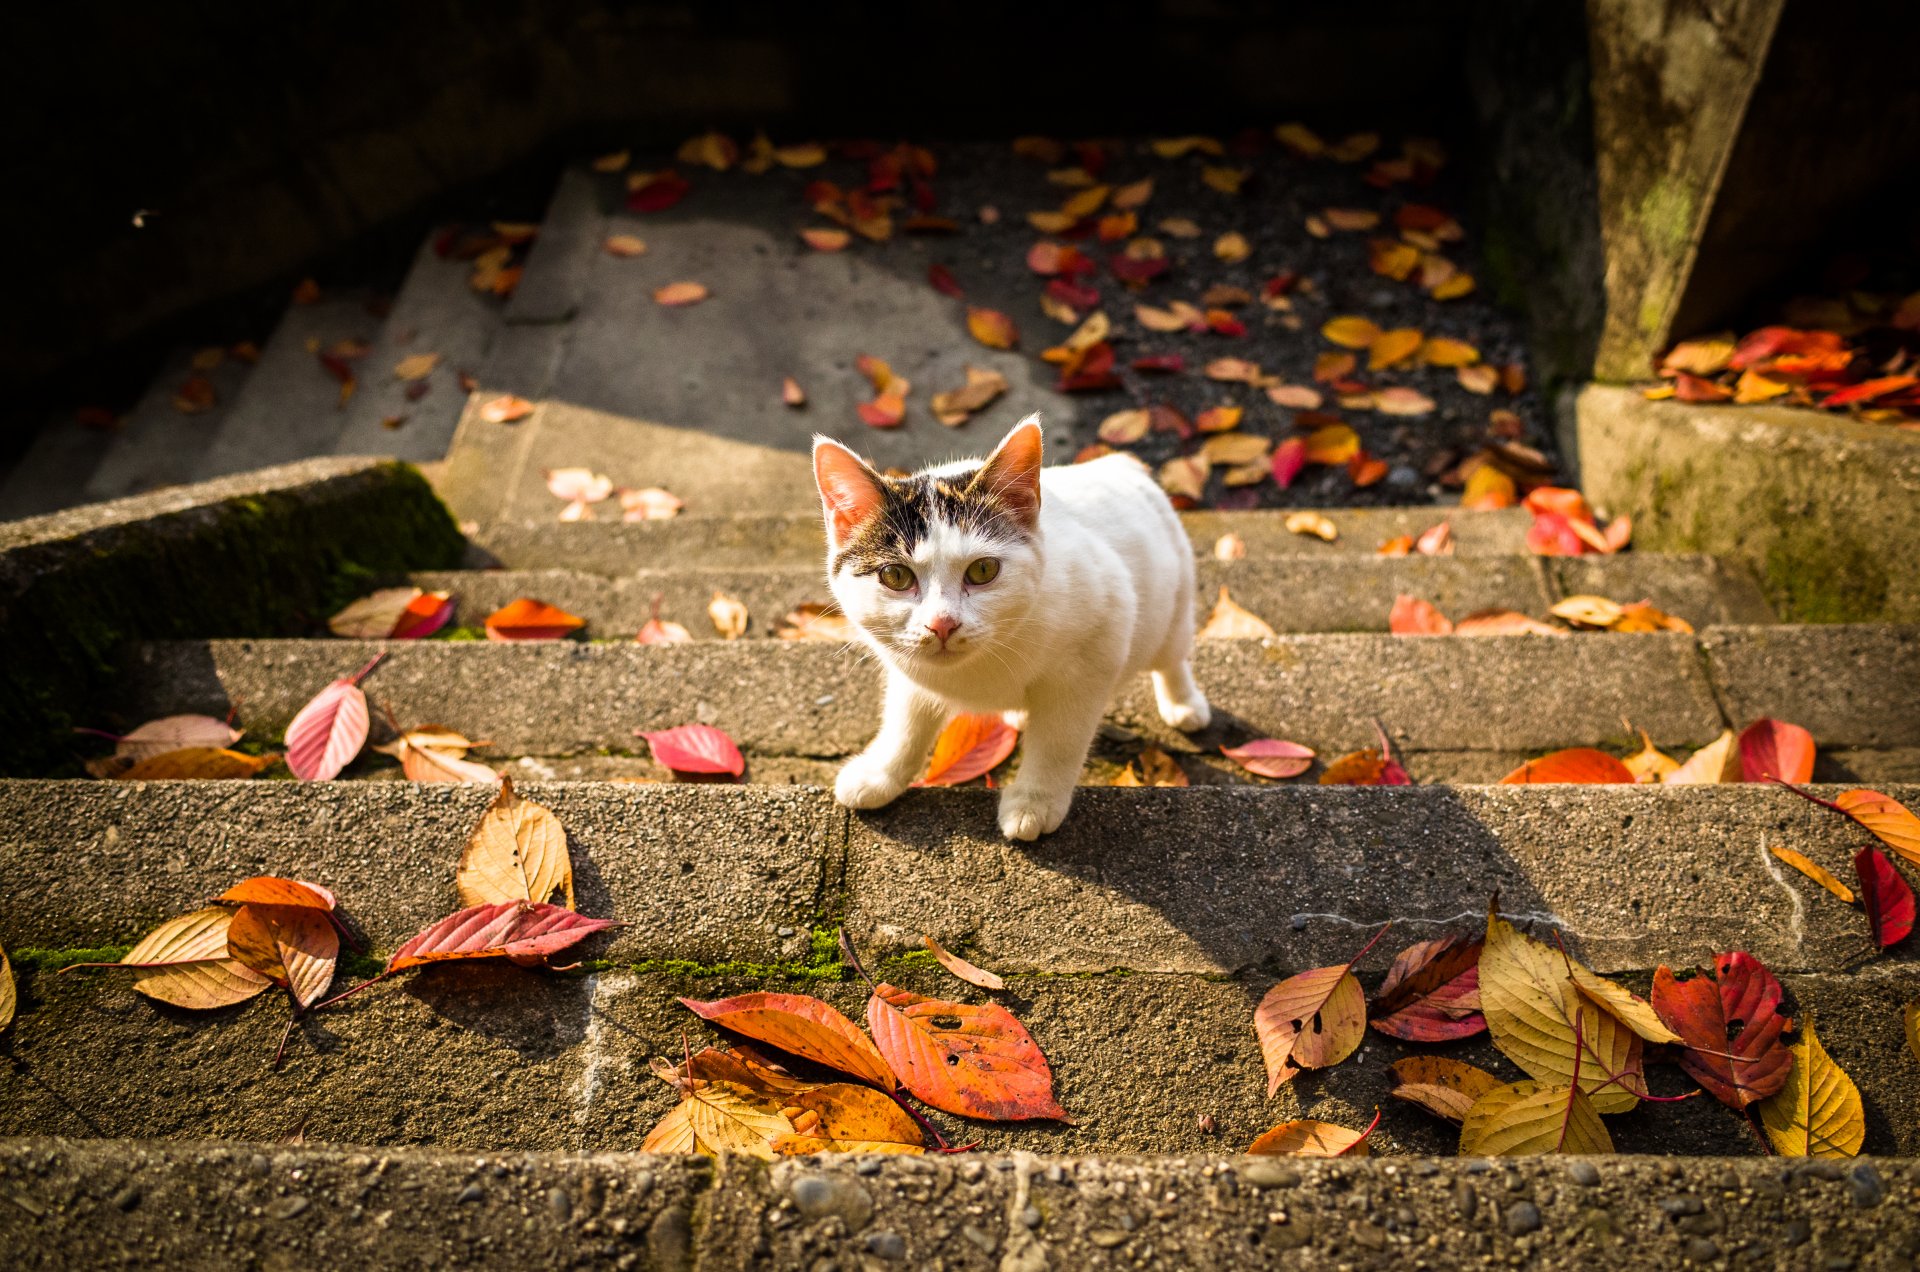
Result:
1730,1023
970,746
1271,757
961,967
294,946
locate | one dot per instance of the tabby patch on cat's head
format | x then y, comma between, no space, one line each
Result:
873,519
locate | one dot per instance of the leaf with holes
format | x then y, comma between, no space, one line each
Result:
294,946
1818,1113
517,852
842,1117
1524,1118
971,745
695,748
1271,757
1432,992
528,619
1774,748
975,1061
1309,1137
801,1025
1310,1021
330,730
528,933
1574,764
1730,1023
1885,896
185,962
966,971
1230,622
1528,998
1441,1085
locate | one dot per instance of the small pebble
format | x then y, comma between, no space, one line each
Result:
887,1245
127,1198
783,931
1796,1232
1030,1216
1703,1249
1677,1206
1521,1218
1465,1199
470,1194
818,1196
1865,1183
287,1207
1584,1173
868,1166
979,1238
559,1204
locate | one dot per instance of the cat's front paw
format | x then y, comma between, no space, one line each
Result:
1188,717
1029,814
865,783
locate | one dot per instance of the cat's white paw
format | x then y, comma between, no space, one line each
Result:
1190,716
1029,814
865,783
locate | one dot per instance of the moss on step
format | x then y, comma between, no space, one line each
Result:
40,960
269,563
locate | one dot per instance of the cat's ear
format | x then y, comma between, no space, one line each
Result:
1012,473
850,491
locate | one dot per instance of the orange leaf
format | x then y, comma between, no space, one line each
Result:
271,890
1412,616
1365,767
528,619
960,967
1390,348
975,1061
801,1025
1218,419
992,328
625,245
506,409
1351,331
970,746
294,946
196,763
1310,1021
1884,817
1334,444
683,293
1453,288
822,239
1443,352
1576,764
1309,1137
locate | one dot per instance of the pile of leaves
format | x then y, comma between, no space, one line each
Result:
1412,616
1582,1041
269,930
1860,355
973,1060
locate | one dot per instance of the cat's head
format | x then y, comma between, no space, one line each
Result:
939,566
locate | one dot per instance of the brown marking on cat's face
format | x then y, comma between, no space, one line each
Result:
910,505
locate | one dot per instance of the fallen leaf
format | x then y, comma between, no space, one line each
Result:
983,386
812,620
1649,764
624,245
974,1061
506,409
1587,611
1312,524
9,996
185,962
1180,227
430,764
294,946
1818,1112
1225,180
1412,616
1885,896
971,745
1365,767
517,852
960,967
1503,622
1432,992
581,484
1528,998
1641,616
801,1026
1699,357
527,933
174,733
1441,351
1718,761
1333,444
1310,1021
1393,259
1156,768
1271,757
196,763
329,731
1230,622
1123,428
1232,247
417,366
1391,348
1180,147
1814,871
1478,379
1289,457
1886,818
1234,450
1753,387
712,149
1400,400
992,328
1301,140
728,615
1185,476
1229,547
695,748
649,503
720,1117
1218,419
1236,371
1774,748
1525,1118
843,1117
681,293
1308,1137
826,239
791,393
1456,286
1351,332
663,631
528,619
1441,1085
1298,397
1575,764
1488,490
1730,1022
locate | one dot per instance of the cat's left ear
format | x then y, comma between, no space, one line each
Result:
850,491
1012,473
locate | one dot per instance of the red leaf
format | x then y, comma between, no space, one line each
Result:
426,614
1271,757
1886,896
1575,764
1552,534
1432,992
944,282
1869,390
1732,1024
1412,616
524,931
659,194
1163,363
695,748
1774,748
970,745
976,1061
330,730
1068,292
1289,457
801,1025
1132,269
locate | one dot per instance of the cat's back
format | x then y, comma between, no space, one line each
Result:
1113,499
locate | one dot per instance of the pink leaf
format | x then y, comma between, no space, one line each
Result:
1888,899
427,614
1774,748
524,931
330,730
1271,757
1289,457
695,748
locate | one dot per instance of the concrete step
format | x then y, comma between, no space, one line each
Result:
114,1205
52,472
290,407
161,445
435,312
1298,593
1136,944
1459,708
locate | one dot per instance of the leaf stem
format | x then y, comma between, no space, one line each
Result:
939,1141
361,674
853,959
1373,941
1810,797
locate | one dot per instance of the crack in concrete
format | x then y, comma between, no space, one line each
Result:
1526,917
1798,923
1024,1251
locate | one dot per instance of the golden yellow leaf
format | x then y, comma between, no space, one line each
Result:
1232,247
1085,203
1523,1118
1225,180
1440,351
416,366
1185,475
844,1117
1453,288
1718,761
1439,1084
1818,1112
1230,622
1313,524
518,852
1351,331
1177,147
187,963
1649,764
1125,427
1230,450
1391,348
197,763
717,1117
1814,871
1587,611
1133,194
1530,1004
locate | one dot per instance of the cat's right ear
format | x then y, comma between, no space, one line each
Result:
850,491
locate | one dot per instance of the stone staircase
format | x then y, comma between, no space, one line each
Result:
485,1115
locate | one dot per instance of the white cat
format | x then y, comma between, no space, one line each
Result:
999,586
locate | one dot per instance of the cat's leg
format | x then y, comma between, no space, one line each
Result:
1180,700
909,723
1061,721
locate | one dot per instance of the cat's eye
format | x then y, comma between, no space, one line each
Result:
985,570
896,578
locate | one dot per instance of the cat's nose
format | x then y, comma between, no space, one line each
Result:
943,626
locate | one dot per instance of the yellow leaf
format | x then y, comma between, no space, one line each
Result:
1230,622
718,1117
1176,147
1635,1013
1232,247
844,1117
1754,387
9,996
1440,351
1718,761
518,852
1530,1006
1588,611
1488,488
1314,524
1086,202
1225,180
1125,427
1231,450
195,970
1439,1084
1818,1112
1455,287
1523,1118
1300,139
416,366
1814,871
1185,475
1391,348
1334,444
197,763
1133,194
1351,331
1648,764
